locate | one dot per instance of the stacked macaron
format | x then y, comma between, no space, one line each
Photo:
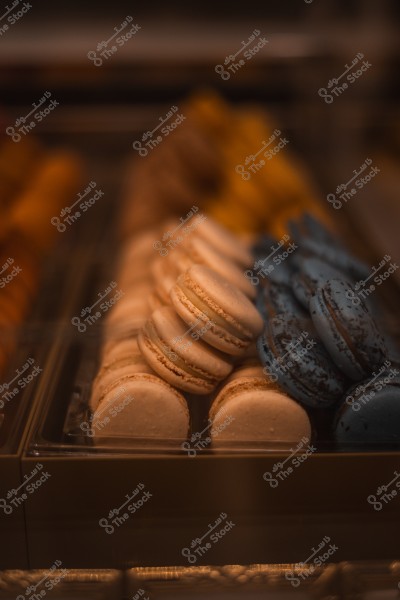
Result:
199,330
207,318
128,399
321,342
185,326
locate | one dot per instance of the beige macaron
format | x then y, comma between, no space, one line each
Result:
141,406
127,316
117,347
198,251
251,409
224,242
227,318
184,361
111,372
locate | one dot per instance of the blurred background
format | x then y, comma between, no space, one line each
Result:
176,50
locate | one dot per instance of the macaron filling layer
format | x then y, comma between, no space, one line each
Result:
178,366
207,305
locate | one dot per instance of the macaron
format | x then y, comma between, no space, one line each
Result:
116,348
141,406
315,239
128,315
294,356
370,412
155,302
250,353
138,247
228,320
114,371
224,242
175,352
337,257
197,251
308,226
134,274
250,409
272,263
250,367
262,244
165,272
313,273
278,299
347,330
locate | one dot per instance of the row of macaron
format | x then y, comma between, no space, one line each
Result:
190,337
184,311
324,343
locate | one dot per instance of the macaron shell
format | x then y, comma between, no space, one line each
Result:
155,302
202,253
347,330
313,274
127,317
147,408
280,274
251,411
318,230
188,364
377,419
118,349
113,373
139,247
216,335
201,294
337,257
303,368
169,326
224,242
135,302
250,368
277,299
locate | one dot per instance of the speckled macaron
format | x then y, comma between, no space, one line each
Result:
227,319
313,273
311,227
347,329
273,261
293,355
337,257
370,412
277,299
